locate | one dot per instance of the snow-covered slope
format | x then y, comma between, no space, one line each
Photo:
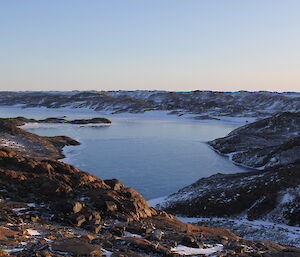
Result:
272,194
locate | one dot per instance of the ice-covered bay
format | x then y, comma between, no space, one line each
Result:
153,152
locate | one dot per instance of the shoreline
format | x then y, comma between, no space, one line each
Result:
229,157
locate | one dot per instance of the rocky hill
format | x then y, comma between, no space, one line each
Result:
204,103
49,208
270,142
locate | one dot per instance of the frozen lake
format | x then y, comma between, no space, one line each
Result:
154,153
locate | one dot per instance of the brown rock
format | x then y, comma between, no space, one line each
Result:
76,246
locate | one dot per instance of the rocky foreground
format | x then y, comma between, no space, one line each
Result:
49,208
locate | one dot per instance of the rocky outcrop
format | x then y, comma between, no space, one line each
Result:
270,142
207,104
59,184
49,208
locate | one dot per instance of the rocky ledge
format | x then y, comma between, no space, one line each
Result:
270,142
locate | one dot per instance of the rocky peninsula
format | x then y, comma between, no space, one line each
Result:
32,145
270,142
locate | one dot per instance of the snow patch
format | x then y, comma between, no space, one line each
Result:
184,250
128,234
156,201
33,232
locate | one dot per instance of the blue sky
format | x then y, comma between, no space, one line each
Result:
159,44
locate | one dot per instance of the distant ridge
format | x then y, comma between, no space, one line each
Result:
208,104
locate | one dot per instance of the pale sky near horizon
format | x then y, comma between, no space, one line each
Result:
179,45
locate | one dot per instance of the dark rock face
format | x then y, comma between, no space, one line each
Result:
206,103
266,143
